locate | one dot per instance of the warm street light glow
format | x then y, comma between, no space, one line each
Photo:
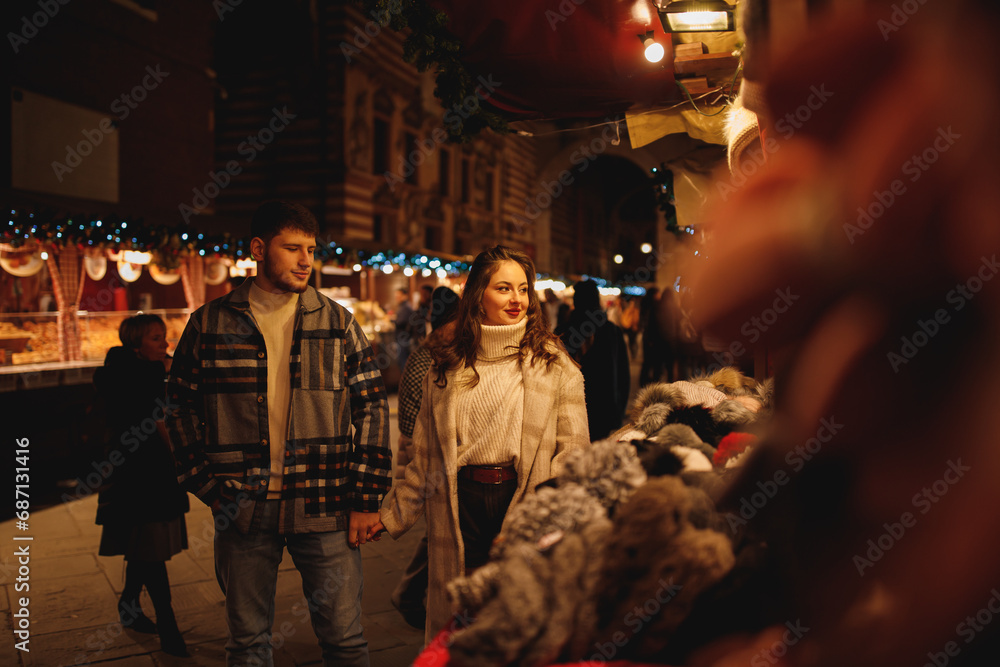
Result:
619,259
646,248
696,15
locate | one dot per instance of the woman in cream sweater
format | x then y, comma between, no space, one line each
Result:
503,403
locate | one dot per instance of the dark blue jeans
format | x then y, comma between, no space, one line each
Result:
247,567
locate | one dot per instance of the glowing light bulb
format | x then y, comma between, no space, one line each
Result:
654,51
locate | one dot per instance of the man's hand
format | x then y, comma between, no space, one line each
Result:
360,528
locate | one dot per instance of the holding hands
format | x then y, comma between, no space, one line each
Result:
364,527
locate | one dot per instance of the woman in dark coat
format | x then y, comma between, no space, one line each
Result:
141,506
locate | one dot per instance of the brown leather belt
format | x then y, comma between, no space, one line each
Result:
488,474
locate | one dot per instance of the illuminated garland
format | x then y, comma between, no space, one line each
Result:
169,245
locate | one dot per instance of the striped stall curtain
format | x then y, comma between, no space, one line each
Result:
64,269
193,280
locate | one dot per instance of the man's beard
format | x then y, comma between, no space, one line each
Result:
281,282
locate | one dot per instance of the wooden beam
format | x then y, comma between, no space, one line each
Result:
708,62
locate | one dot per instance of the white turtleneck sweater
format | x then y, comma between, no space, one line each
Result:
491,413
275,316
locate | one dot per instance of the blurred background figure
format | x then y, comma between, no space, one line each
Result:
657,354
420,324
630,324
404,333
551,307
599,347
141,506
562,315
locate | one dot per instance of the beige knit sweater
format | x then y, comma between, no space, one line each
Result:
275,316
490,414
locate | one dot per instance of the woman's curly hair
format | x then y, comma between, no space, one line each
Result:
457,343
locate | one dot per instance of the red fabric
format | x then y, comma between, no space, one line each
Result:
436,655
64,270
193,281
731,446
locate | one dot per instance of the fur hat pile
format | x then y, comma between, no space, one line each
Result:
604,535
712,405
543,565
625,542
655,567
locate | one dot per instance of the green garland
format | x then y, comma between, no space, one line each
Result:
167,244
430,43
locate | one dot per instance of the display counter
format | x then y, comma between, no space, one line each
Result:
29,346
29,343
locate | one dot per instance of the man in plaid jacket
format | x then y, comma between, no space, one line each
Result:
281,427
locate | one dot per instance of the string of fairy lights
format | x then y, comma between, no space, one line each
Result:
169,244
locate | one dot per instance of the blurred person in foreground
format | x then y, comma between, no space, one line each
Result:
141,507
408,596
879,215
502,405
282,428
